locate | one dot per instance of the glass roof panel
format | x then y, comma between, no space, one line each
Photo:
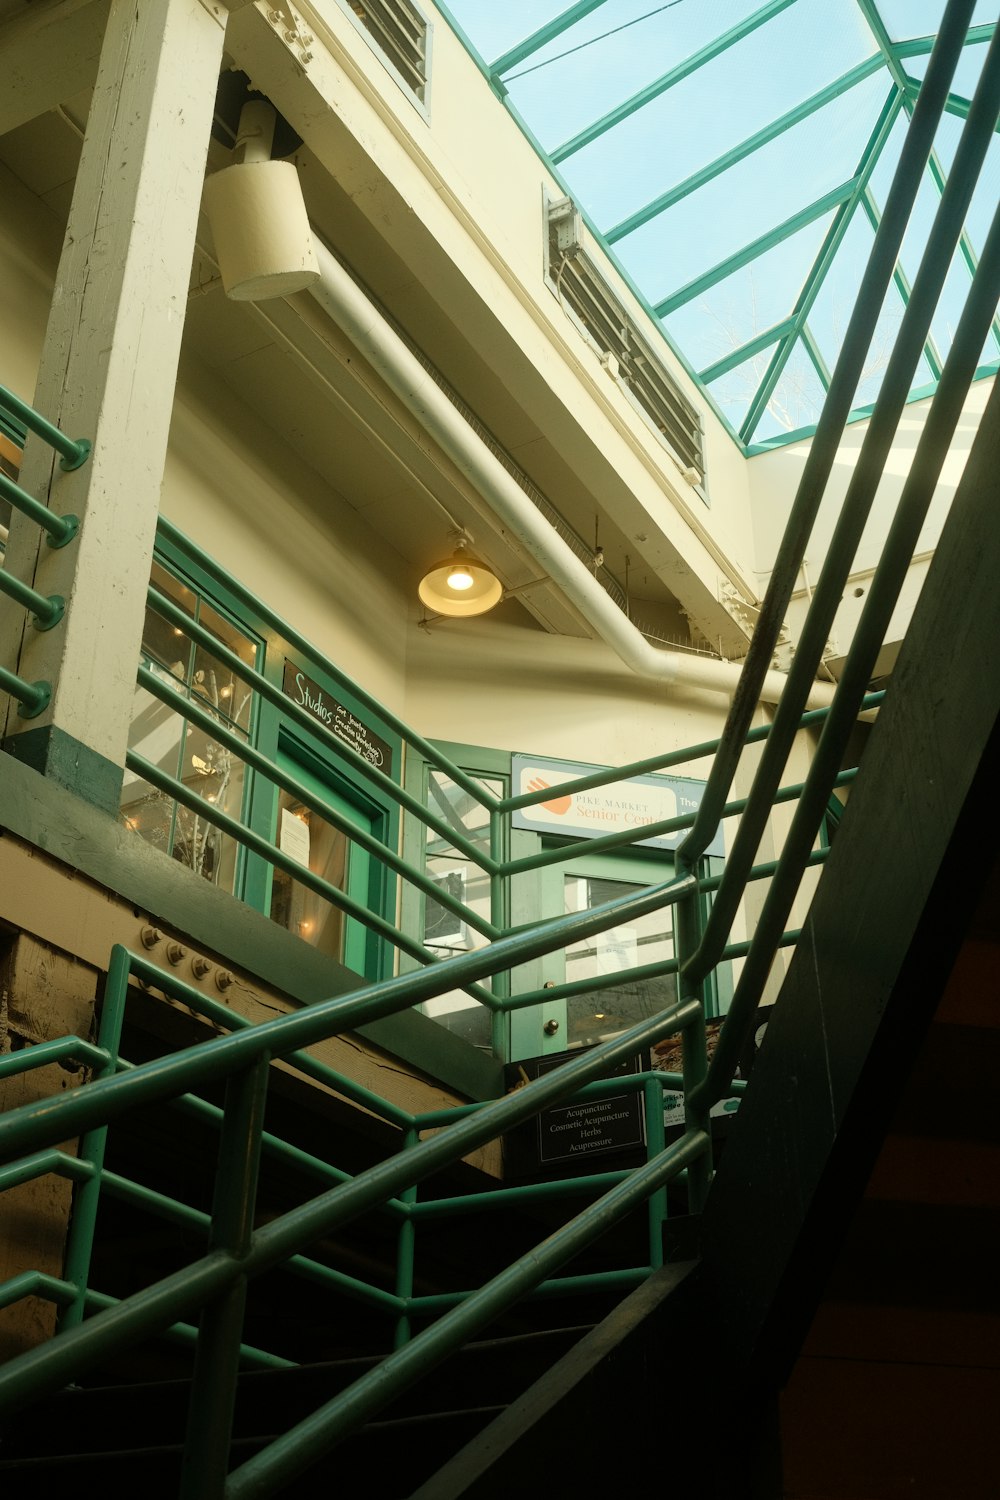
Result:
576,78
735,391
834,303
912,18
797,399
750,200
744,305
713,143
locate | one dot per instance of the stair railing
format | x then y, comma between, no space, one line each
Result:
702,951
45,610
216,1282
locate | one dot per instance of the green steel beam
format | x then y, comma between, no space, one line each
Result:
764,242
814,352
919,46
955,104
543,35
902,284
827,253
746,351
667,80
746,148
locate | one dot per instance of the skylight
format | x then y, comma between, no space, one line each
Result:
734,156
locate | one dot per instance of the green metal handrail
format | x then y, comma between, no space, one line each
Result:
295,638
700,949
34,697
47,609
73,451
60,529
238,1056
214,1284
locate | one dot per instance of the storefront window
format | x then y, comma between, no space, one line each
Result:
647,940
161,735
445,933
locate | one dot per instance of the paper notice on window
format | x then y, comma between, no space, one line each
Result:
293,839
617,949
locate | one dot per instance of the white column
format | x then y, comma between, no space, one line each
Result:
108,372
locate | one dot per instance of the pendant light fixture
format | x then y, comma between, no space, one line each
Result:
255,207
460,585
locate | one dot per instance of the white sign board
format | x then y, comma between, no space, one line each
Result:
619,807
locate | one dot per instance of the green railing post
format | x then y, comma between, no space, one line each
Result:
406,1245
500,918
652,1099
695,1049
213,1390
80,1241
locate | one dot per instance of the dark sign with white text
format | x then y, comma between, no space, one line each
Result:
579,1130
335,717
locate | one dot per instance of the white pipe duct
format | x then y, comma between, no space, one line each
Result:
351,310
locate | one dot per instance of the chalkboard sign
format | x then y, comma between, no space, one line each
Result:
336,718
570,1136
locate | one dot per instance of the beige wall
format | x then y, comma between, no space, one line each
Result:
773,480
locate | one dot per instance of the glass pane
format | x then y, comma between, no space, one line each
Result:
455,806
323,849
445,931
595,1017
160,734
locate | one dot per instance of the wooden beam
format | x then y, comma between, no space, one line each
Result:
49,54
108,372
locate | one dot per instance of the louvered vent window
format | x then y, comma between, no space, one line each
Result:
583,290
400,33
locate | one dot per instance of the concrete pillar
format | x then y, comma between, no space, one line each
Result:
108,371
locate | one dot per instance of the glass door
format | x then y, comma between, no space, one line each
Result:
314,842
594,1015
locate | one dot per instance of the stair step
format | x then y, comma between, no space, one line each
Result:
151,1416
380,1448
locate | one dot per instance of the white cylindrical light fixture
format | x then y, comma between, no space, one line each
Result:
261,230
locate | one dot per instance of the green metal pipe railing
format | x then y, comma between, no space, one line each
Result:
63,1049
161,1305
296,639
25,1130
259,683
860,495
59,529
34,697
309,1440
73,451
610,841
47,609
883,592
704,750
258,844
823,448
203,718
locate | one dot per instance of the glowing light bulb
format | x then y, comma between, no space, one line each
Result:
459,578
